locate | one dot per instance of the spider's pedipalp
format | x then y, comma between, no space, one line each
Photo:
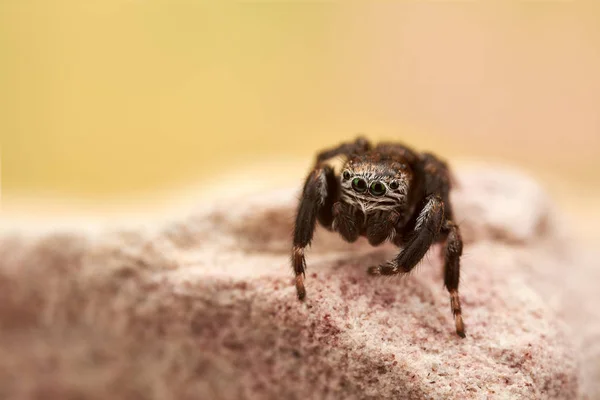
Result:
380,227
346,221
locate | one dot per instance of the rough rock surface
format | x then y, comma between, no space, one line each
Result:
205,308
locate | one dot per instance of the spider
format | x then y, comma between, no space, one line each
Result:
385,192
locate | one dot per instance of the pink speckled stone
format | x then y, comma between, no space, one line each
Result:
205,308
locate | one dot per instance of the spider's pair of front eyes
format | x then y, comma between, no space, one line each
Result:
376,188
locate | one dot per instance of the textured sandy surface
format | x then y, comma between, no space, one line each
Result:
204,308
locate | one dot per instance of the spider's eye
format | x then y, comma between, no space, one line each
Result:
377,189
346,175
394,185
359,185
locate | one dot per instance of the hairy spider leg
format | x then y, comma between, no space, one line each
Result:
452,251
359,146
320,192
449,235
318,196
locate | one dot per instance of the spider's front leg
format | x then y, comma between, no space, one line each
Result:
319,193
426,230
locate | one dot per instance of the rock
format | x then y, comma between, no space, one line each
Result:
205,308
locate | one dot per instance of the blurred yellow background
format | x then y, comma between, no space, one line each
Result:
106,99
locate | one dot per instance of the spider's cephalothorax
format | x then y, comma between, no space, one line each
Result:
386,192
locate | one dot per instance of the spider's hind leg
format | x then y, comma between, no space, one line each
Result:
359,146
453,247
319,194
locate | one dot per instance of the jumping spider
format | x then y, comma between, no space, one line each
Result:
386,192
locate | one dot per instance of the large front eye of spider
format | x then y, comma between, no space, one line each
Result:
359,185
377,189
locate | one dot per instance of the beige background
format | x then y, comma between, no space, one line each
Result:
124,103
